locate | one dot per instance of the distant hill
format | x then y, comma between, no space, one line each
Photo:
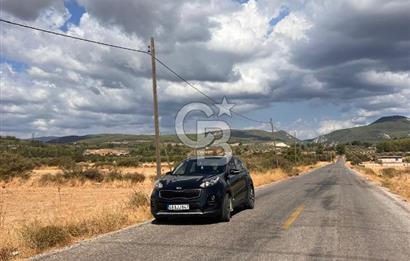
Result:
385,128
395,118
66,139
260,136
45,139
244,136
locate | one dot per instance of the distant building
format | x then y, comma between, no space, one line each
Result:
278,144
390,159
282,145
106,152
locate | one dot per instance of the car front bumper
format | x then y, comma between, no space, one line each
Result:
201,206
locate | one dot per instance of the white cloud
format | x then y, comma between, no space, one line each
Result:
243,31
328,126
223,47
387,78
293,26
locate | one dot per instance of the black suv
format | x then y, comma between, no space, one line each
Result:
203,186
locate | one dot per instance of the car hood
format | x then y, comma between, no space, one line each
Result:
182,182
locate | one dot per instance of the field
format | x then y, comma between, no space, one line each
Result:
37,214
395,178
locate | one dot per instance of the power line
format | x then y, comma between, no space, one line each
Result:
204,94
73,37
132,50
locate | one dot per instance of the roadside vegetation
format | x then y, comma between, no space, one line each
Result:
398,145
358,152
396,179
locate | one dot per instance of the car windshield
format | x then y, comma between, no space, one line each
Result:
203,167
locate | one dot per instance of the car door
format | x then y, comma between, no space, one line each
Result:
233,181
242,182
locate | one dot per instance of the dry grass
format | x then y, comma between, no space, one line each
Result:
397,179
45,211
266,177
262,178
32,231
36,216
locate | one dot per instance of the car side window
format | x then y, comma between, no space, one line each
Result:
239,164
231,165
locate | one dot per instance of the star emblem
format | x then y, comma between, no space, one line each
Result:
225,108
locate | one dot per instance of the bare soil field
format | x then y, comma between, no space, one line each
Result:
76,210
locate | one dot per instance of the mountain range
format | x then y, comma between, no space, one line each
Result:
385,128
244,136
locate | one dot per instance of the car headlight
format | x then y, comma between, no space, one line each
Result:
209,182
158,185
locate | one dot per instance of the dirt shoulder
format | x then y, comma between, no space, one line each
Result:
395,178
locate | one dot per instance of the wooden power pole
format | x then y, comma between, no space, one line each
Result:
295,147
274,144
155,99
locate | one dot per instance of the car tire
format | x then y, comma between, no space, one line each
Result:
250,203
226,208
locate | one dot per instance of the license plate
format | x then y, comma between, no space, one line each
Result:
178,207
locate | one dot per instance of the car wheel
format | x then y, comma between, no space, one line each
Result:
226,208
251,198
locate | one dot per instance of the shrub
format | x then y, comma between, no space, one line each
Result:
134,177
66,163
6,253
40,237
107,221
75,172
14,165
127,162
50,178
341,149
71,170
390,172
292,172
114,175
369,171
93,174
138,199
78,229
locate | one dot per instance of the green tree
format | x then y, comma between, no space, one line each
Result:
341,149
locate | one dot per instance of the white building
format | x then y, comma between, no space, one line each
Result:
390,159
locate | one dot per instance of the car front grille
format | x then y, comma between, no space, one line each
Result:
183,194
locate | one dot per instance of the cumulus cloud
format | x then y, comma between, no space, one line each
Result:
348,53
328,126
30,10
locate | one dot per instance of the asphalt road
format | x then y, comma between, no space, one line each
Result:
329,214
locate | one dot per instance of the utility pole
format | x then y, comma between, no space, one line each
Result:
274,144
295,147
154,93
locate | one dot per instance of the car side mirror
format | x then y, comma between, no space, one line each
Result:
168,173
234,172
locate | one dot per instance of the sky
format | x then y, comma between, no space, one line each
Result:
312,66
